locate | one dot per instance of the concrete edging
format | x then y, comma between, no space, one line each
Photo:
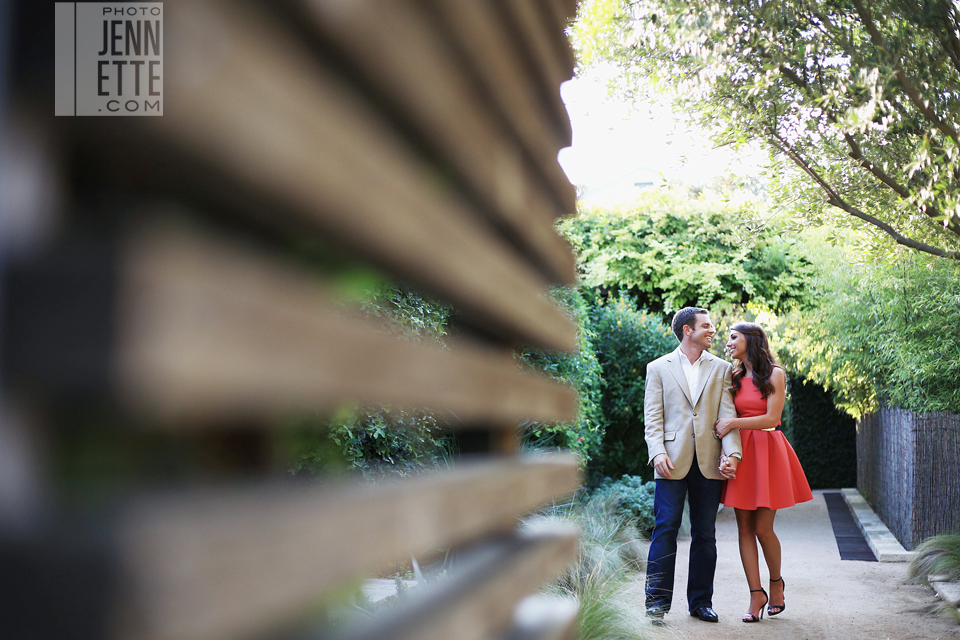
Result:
948,591
884,544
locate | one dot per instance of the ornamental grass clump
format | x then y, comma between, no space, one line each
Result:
939,556
611,555
605,613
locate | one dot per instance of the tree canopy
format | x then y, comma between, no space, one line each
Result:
860,100
881,334
670,250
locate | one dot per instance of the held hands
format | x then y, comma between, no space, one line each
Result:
663,465
723,427
728,466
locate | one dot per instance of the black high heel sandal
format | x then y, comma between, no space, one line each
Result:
776,609
749,617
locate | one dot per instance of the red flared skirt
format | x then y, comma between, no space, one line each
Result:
769,475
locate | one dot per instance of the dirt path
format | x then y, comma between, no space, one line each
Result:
825,597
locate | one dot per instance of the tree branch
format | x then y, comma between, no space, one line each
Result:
929,210
948,37
908,87
836,200
794,78
856,153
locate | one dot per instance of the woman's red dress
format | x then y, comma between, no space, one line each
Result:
769,475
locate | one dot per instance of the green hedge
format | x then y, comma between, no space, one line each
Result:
672,249
882,334
385,440
626,341
824,437
579,369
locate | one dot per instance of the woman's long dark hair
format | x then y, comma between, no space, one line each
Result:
761,358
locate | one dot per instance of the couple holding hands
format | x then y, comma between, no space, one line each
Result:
712,436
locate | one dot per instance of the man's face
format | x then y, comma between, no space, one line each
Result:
703,330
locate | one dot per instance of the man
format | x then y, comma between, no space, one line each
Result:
687,391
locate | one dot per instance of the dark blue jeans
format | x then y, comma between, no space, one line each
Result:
704,497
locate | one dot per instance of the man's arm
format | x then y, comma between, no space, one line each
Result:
653,423
731,441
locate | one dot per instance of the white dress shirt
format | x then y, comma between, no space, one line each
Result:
691,370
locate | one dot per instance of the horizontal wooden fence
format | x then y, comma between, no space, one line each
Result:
161,328
908,469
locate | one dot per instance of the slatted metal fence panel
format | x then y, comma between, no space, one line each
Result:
908,469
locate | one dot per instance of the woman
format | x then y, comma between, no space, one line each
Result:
769,477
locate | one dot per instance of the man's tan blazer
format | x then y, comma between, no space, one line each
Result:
677,424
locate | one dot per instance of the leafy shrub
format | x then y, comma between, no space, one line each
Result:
409,313
632,498
670,250
627,340
383,440
580,369
375,443
882,334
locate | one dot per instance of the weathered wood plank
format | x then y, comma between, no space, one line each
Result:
396,45
209,333
555,16
261,109
227,563
550,54
477,602
544,60
542,617
476,28
568,8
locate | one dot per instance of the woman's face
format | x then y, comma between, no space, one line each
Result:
737,346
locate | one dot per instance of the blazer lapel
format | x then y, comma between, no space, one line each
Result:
677,370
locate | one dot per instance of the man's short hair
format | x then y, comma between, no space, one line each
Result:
686,317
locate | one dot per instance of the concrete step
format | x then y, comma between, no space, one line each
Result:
949,592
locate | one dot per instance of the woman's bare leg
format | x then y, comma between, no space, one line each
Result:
749,556
771,552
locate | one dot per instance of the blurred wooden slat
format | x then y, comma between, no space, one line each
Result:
398,47
542,617
567,9
195,333
555,16
241,95
544,62
477,602
549,54
223,564
210,333
474,25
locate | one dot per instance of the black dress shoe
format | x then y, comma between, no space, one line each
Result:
706,614
656,616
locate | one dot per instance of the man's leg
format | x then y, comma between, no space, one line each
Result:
662,556
704,502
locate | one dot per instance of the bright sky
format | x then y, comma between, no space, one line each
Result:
613,143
